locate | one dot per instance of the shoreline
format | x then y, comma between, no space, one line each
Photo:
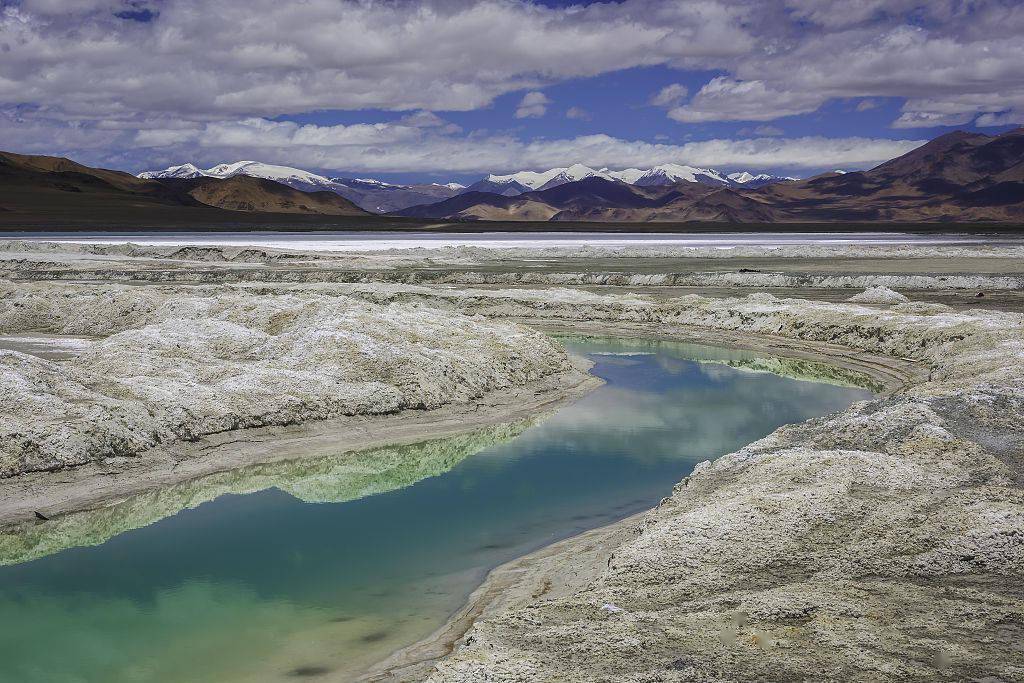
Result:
540,573
877,527
931,470
386,223
92,486
98,484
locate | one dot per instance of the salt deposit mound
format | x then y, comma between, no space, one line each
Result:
878,295
177,366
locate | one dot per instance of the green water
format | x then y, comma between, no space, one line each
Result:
317,568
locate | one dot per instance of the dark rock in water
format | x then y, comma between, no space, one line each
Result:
375,636
306,671
979,295
40,515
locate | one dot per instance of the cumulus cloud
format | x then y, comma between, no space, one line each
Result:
927,119
670,96
397,147
285,57
728,99
143,80
403,144
92,58
1006,118
533,105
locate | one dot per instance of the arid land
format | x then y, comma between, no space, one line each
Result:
880,543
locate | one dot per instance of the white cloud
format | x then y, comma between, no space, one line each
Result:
670,96
267,58
927,119
955,110
766,131
577,113
205,79
1006,118
780,57
533,105
397,147
727,99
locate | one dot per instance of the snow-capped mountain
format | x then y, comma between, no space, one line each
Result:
760,180
665,174
367,193
629,175
508,188
379,196
183,171
293,177
544,179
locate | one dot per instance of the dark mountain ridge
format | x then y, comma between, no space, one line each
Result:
959,176
40,186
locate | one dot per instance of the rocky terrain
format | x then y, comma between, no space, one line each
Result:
177,366
881,543
924,268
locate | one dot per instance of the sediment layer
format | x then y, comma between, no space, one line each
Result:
583,266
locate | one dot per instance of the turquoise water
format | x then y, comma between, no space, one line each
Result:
315,569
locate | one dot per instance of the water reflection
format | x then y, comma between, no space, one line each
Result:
238,577
335,478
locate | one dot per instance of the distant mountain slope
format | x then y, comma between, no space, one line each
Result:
39,186
245,193
956,177
367,193
579,200
380,197
506,188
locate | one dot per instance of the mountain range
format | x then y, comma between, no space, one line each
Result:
959,176
54,188
368,194
380,197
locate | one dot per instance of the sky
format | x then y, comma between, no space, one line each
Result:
426,90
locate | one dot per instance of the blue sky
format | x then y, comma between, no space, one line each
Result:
430,90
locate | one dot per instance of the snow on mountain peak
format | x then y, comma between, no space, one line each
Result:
537,179
256,169
374,181
665,174
629,175
742,177
679,172
183,171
